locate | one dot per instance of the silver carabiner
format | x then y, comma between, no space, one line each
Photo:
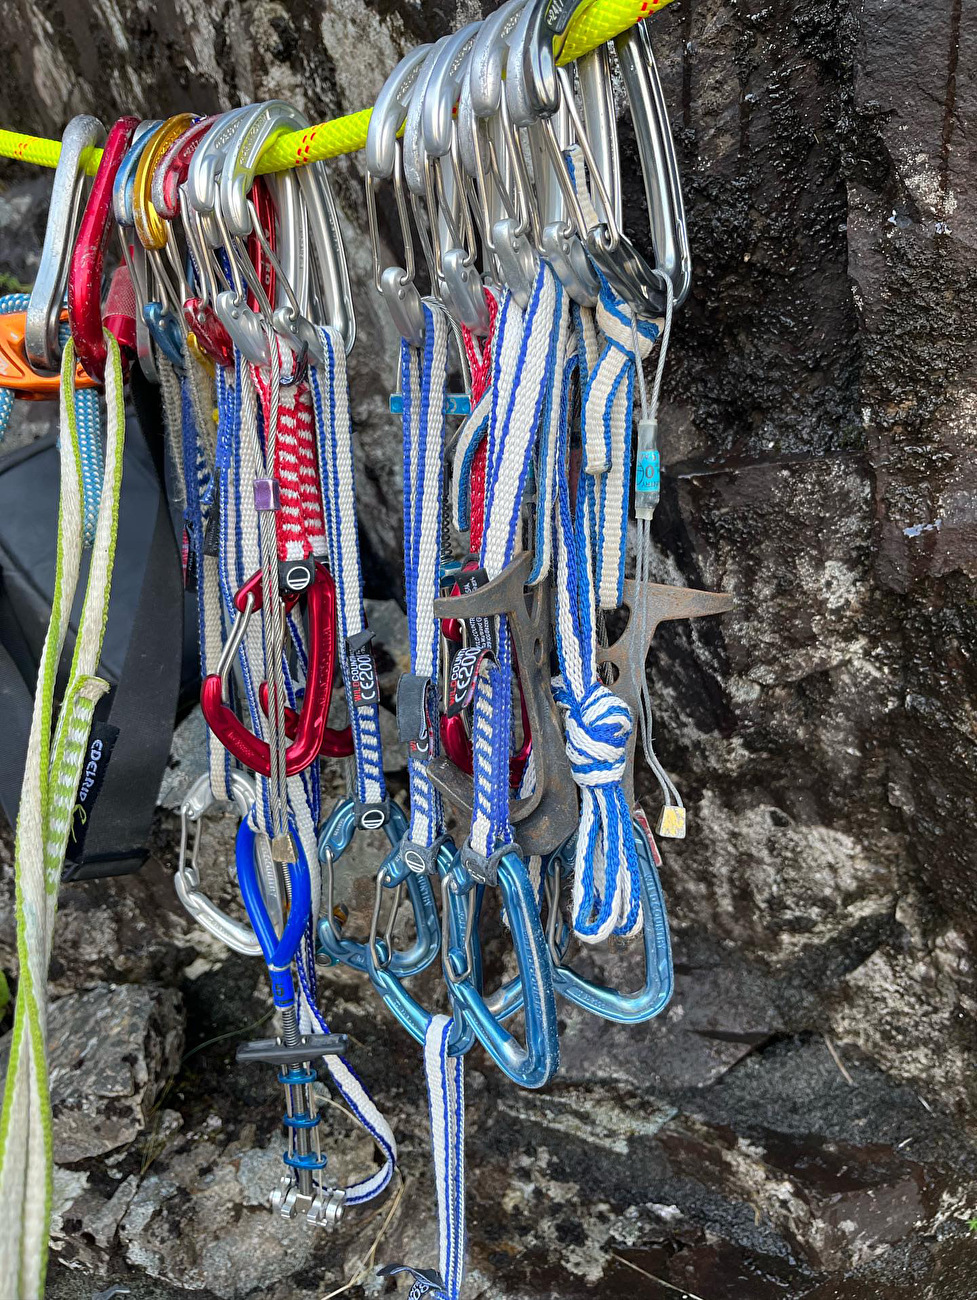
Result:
384,162
133,253
460,284
382,958
659,165
41,345
563,225
237,176
237,935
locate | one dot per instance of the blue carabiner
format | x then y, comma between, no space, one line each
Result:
610,1003
125,177
532,1065
334,839
165,329
403,1005
278,952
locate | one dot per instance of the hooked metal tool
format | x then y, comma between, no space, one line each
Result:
661,604
544,819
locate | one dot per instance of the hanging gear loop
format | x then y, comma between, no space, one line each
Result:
516,711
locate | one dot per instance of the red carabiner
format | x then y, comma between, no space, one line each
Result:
85,276
208,331
457,745
337,742
310,737
172,169
267,214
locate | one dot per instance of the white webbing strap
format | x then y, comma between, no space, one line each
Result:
201,500
609,364
470,437
348,1084
446,1099
608,407
606,887
329,386
445,1077
606,897
240,558
51,775
424,386
522,372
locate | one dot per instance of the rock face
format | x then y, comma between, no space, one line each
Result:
818,436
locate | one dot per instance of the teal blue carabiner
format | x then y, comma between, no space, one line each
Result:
531,1065
652,998
334,839
609,1003
404,1007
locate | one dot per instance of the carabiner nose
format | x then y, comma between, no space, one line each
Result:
531,1065
394,877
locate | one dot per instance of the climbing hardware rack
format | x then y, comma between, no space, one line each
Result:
527,312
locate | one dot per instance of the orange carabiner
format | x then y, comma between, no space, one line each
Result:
17,373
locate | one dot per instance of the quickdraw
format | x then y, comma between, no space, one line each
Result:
519,715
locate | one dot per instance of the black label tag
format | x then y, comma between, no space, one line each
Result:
465,667
295,576
101,742
188,558
481,629
413,723
480,645
362,671
212,529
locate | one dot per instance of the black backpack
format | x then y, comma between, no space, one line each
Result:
149,655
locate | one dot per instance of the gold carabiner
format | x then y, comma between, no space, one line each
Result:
152,230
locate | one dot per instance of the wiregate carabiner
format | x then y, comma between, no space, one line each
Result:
249,236
237,935
610,1003
310,736
88,256
440,71
169,175
402,1005
455,246
482,137
233,215
132,250
165,315
531,1065
393,875
550,20
125,175
198,195
659,165
170,172
560,238
82,134
384,161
